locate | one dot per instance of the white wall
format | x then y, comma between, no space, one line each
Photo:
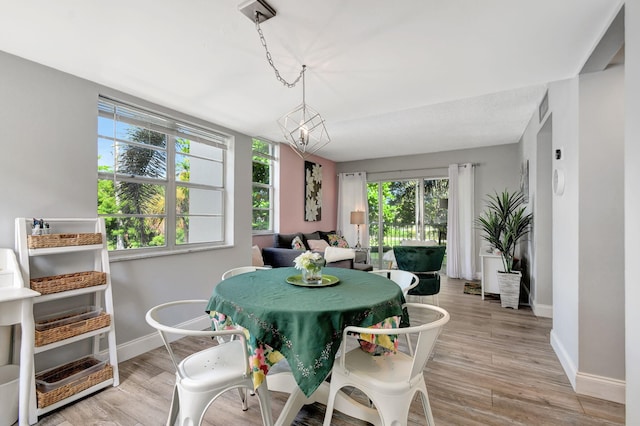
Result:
601,223
563,104
535,142
632,207
48,122
496,168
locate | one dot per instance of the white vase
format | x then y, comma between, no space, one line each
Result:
509,283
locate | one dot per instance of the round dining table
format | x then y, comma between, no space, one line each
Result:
302,322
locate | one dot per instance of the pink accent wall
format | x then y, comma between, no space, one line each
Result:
292,193
292,196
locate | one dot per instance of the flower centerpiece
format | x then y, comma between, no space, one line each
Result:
311,266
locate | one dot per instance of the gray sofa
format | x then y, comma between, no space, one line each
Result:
282,255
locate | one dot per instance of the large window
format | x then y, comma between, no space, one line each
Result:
161,182
263,190
414,209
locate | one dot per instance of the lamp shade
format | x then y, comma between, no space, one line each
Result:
357,218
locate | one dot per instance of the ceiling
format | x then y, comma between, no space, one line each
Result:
390,78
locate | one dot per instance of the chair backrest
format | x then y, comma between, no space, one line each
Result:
419,258
427,332
197,306
406,280
241,270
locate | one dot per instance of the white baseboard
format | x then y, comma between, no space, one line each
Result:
601,387
563,356
588,384
151,341
539,310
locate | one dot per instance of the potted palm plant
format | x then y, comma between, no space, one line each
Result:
504,224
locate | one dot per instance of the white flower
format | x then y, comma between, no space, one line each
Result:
309,260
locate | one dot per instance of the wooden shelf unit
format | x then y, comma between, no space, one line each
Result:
101,296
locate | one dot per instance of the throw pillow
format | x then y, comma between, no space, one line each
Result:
284,240
334,254
318,245
337,241
297,244
256,256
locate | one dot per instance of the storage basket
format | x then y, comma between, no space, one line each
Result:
61,382
68,324
62,240
58,283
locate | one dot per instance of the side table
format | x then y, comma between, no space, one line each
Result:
362,259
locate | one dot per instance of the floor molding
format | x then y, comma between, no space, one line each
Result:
601,387
568,366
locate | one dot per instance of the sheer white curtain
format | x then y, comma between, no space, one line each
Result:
461,259
352,196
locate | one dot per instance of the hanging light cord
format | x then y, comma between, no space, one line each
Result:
270,60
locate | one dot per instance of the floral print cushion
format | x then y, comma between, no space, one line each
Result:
337,241
297,244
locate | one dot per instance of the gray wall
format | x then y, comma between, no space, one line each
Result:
496,168
632,207
48,122
601,222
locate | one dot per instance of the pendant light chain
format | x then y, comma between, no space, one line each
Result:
270,60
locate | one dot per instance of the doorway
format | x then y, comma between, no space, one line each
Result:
409,209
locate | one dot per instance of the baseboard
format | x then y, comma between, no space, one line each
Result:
539,310
568,366
151,341
601,387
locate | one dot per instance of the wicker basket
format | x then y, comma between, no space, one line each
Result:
71,329
73,379
509,289
62,240
58,283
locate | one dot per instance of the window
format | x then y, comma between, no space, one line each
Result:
263,189
161,182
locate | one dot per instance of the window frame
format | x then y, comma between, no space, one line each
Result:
271,187
176,128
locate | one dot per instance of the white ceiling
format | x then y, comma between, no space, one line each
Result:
390,77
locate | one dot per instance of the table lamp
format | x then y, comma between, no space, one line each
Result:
357,218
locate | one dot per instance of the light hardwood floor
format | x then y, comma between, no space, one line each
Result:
491,366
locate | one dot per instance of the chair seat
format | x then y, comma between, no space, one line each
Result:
219,364
386,373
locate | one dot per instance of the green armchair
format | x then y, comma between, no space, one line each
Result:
425,262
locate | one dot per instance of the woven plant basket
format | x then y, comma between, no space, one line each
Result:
58,283
62,240
509,289
72,329
77,384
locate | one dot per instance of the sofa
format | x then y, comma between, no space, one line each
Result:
282,254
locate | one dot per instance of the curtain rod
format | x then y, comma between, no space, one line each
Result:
408,170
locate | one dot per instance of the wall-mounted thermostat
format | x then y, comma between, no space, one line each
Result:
558,181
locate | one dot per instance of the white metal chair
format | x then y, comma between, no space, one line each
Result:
203,376
405,279
241,270
390,382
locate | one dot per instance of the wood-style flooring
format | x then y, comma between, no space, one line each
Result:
491,366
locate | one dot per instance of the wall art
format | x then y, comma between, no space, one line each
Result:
312,191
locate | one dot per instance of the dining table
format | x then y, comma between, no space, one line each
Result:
285,318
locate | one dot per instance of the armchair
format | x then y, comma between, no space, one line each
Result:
425,262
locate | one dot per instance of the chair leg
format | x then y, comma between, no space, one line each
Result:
426,406
175,408
265,404
243,392
436,301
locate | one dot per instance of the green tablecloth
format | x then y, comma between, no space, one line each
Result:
305,324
